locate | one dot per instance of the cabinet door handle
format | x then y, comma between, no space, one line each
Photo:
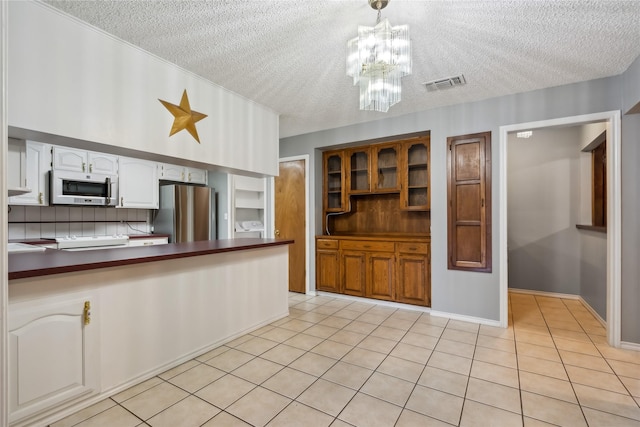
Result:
121,201
413,249
86,314
90,167
40,198
84,167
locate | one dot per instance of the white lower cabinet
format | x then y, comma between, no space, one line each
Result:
148,241
53,354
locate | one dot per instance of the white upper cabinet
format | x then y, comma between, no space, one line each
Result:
73,159
138,184
37,164
177,173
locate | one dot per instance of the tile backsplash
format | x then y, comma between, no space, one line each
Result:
33,222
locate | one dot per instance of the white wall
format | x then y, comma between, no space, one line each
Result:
70,80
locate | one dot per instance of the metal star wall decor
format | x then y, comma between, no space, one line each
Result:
185,117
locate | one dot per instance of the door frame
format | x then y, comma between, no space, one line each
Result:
614,213
307,219
4,233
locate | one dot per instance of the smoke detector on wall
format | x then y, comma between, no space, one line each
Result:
445,83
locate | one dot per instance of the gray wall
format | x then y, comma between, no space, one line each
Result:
471,294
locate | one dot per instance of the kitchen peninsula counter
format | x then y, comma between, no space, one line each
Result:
97,322
54,261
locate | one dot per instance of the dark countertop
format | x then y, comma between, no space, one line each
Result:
54,261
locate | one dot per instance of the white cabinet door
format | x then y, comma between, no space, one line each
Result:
103,163
196,176
172,172
70,159
53,354
138,183
38,162
16,163
150,241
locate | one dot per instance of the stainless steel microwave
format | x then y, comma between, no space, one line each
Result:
80,188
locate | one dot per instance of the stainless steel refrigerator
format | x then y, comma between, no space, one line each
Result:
187,213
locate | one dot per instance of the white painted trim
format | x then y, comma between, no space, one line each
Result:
4,282
375,302
470,319
307,218
564,296
629,346
614,213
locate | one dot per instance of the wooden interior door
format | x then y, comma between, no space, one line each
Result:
290,219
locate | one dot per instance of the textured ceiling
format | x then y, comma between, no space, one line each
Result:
289,55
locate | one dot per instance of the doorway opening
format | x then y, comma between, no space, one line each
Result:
613,240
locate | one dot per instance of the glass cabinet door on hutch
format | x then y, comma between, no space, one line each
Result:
334,181
385,168
358,167
416,192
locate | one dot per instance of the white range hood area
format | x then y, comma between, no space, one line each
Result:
23,247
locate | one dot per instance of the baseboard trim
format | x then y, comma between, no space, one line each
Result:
374,301
564,296
629,346
465,318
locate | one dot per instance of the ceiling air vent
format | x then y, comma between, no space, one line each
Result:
446,83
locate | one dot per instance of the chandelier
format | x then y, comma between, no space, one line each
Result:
377,59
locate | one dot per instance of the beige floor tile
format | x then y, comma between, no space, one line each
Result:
461,325
230,360
225,391
532,422
179,369
256,346
325,310
495,373
446,381
155,400
436,404
114,416
345,313
625,369
476,414
335,322
360,327
258,406
542,366
604,419
321,331
327,397
332,349
364,410
340,423
196,378
289,382
411,352
347,337
240,340
595,379
576,346
257,370
380,345
375,319
552,411
365,358
493,394
297,413
296,325
497,357
282,354
541,352
427,329
137,389
455,347
607,401
189,412
496,332
212,353
460,336
262,330
348,375
278,334
450,362
433,320
570,335
409,315
85,414
632,384
547,386
536,339
412,419
496,343
303,341
420,340
313,364
393,390
596,363
386,332
360,306
398,323
400,368
620,354
540,329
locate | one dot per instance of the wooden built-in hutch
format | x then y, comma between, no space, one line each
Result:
376,222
